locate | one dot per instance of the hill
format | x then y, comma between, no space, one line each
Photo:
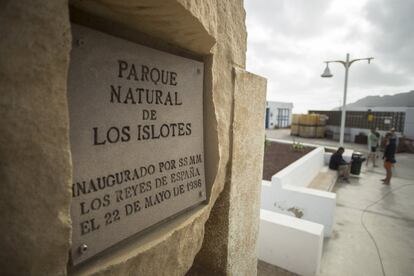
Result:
397,100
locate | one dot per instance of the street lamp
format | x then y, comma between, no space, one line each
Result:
327,74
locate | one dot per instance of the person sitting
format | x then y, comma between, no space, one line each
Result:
338,163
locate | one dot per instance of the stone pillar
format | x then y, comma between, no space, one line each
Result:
35,167
246,172
229,246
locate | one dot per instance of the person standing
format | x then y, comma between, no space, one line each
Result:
389,156
373,140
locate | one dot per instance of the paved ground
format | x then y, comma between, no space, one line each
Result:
350,250
389,219
265,269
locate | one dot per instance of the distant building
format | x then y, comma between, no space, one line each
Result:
278,114
362,119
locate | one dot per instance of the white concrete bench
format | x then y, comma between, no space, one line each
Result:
300,202
325,180
290,243
297,212
289,193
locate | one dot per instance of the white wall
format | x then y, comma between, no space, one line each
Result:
290,243
302,171
409,123
310,204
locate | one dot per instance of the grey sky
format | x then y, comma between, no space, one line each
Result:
289,39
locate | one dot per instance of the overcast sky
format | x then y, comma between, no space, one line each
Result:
288,40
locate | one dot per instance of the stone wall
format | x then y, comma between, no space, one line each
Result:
36,166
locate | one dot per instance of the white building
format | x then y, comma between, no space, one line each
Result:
384,118
278,114
408,129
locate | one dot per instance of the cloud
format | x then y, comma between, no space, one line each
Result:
289,40
394,37
369,77
300,18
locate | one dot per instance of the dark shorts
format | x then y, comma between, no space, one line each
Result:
373,149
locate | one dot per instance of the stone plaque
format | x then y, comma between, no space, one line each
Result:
136,133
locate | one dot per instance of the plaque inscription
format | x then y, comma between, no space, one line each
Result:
136,133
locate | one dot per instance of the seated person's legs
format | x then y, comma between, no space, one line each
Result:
343,170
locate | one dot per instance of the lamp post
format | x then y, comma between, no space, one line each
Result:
327,74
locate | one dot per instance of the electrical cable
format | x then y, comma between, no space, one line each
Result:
366,229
